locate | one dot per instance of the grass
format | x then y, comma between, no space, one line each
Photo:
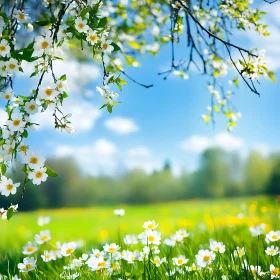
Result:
227,221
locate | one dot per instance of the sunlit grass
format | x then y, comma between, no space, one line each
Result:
223,220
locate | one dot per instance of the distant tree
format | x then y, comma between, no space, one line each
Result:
256,173
273,185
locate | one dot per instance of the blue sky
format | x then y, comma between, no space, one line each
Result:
163,122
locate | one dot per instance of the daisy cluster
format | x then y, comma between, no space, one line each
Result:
171,257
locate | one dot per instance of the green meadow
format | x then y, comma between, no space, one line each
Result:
227,221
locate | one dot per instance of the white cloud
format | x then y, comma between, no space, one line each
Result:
198,144
84,115
3,117
98,158
121,125
79,75
139,152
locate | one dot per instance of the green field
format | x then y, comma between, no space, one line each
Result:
227,221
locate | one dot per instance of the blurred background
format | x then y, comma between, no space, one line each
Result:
155,147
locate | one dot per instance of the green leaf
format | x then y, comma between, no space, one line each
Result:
25,133
84,12
103,106
109,108
50,172
102,23
63,78
10,213
116,47
236,81
272,76
42,22
3,169
64,94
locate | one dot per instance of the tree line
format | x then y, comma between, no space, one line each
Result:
220,174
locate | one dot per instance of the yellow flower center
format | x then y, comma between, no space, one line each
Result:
105,46
101,264
271,251
10,150
2,48
81,25
23,148
12,66
7,96
275,237
156,261
44,44
151,238
16,122
97,254
93,37
21,16
217,248
180,261
48,91
39,174
28,266
30,249
206,258
44,237
34,160
151,226
32,107
9,187
111,250
275,271
69,251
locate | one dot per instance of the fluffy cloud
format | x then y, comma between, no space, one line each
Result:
139,152
198,144
79,75
121,125
98,158
84,115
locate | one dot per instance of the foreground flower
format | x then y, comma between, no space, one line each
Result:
272,250
81,25
180,260
150,237
150,225
4,48
34,161
68,248
204,258
38,175
27,265
217,246
275,271
29,248
273,236
7,186
239,252
112,248
43,236
48,256
97,263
